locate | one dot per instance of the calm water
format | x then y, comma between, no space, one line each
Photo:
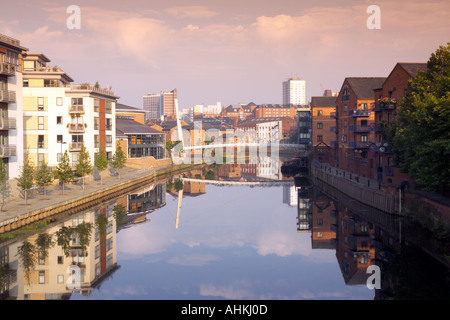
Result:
236,242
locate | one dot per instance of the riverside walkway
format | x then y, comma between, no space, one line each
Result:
16,213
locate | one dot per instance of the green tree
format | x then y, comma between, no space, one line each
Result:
119,213
84,165
119,159
4,183
63,171
44,177
101,162
421,133
44,242
27,257
63,238
25,180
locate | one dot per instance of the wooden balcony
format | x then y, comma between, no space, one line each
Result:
8,123
7,96
7,69
8,151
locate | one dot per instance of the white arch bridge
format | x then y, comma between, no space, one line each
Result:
243,144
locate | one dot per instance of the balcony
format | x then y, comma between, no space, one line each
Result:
359,128
384,104
383,148
7,69
75,146
359,144
345,97
7,123
78,109
7,96
76,127
334,115
378,127
334,129
359,113
8,151
333,144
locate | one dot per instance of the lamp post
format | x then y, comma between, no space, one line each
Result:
62,142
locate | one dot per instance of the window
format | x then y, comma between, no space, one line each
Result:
40,103
77,101
364,138
96,105
60,278
319,112
59,101
108,109
40,141
319,125
60,260
319,138
41,277
96,141
59,120
108,141
40,123
108,124
96,123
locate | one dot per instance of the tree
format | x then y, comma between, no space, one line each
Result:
25,180
63,171
84,166
119,159
421,133
119,213
4,183
27,256
44,177
101,163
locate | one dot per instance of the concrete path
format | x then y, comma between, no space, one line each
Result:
15,207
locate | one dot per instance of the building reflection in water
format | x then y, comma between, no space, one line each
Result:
50,276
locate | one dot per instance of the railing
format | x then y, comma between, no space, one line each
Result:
7,96
378,127
345,97
8,151
91,88
359,113
75,146
76,128
380,106
8,69
76,108
359,128
7,123
359,144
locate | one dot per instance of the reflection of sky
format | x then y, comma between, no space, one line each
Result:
232,243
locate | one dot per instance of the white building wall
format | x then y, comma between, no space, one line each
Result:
15,136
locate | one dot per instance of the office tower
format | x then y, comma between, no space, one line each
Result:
294,92
160,104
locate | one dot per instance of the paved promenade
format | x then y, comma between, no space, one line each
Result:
15,207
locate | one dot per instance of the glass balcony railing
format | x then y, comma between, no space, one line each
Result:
8,151
7,96
359,113
8,123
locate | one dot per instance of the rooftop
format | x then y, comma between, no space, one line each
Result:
363,86
129,126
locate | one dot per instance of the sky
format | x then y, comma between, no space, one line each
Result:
226,51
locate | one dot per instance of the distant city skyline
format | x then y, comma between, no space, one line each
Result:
229,51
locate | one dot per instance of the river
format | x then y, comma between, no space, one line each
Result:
266,241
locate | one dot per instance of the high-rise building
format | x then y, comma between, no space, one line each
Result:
160,104
11,124
294,92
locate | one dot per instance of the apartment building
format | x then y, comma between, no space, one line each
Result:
323,127
11,124
294,92
60,116
353,124
275,110
387,100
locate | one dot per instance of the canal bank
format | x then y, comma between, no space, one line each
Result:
16,214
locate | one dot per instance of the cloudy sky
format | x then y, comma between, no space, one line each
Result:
226,50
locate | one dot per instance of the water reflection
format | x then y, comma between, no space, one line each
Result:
241,231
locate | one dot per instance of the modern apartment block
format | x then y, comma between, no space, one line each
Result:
294,92
161,104
60,116
11,125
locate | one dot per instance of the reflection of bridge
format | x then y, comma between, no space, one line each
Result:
274,183
243,144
